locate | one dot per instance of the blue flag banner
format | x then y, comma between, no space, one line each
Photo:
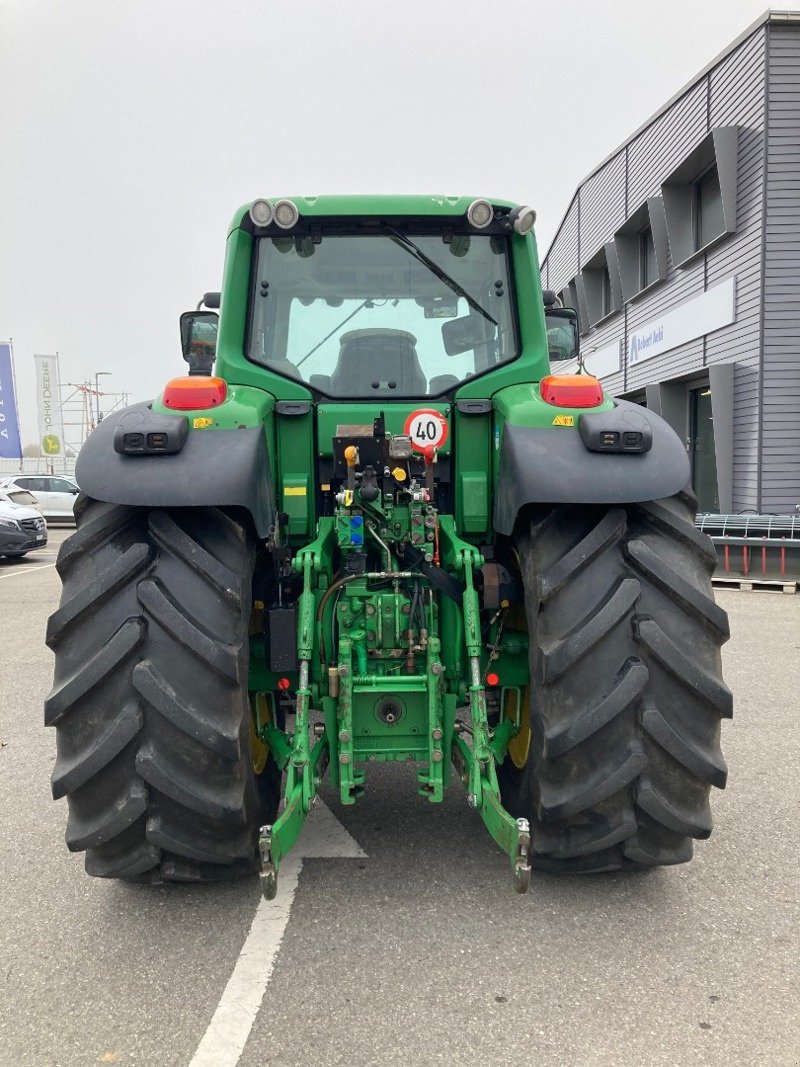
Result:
10,444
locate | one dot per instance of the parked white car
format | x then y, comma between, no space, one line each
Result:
21,529
55,494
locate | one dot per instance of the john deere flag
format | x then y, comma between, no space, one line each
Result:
49,401
10,445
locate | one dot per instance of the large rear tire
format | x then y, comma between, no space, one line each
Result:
150,700
626,689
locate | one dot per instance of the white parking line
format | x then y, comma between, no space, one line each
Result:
323,836
28,570
228,1031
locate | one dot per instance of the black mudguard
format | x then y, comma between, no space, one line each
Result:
556,466
211,468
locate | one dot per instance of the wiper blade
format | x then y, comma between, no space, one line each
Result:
415,251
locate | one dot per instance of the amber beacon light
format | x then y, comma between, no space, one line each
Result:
195,393
571,390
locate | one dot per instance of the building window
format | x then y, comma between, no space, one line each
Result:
700,196
709,221
607,295
641,247
648,268
599,280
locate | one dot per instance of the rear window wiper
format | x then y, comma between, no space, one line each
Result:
434,268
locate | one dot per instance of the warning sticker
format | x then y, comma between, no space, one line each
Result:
564,420
427,428
202,422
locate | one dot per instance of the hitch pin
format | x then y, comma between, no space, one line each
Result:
522,864
268,876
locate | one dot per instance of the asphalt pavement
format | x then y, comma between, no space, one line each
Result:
421,953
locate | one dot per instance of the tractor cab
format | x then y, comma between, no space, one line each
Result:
381,312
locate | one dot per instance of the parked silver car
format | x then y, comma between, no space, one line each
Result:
21,529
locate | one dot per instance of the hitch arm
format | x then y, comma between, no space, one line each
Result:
476,764
304,765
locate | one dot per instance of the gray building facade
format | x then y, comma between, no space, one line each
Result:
681,252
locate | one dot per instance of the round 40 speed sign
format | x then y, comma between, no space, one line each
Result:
427,428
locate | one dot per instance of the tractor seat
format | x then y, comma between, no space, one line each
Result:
378,356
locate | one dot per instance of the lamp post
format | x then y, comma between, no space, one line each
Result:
100,374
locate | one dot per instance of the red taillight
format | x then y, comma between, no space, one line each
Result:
492,680
283,684
195,392
571,391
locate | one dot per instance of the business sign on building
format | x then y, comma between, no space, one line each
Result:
48,399
10,444
710,311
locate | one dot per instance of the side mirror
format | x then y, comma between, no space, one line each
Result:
462,335
199,340
563,333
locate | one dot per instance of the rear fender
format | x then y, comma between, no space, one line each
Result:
556,465
213,468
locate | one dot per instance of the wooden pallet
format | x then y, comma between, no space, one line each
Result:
752,582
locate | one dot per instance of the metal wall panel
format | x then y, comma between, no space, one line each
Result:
603,206
562,259
780,416
737,96
659,149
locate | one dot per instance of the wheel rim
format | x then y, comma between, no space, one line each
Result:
520,745
258,747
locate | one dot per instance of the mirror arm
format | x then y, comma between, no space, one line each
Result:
199,366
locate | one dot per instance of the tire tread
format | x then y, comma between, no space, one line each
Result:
149,698
627,694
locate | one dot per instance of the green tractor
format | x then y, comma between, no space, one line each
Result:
383,531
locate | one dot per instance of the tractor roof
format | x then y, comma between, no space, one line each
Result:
364,204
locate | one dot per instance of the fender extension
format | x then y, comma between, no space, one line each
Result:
553,465
201,468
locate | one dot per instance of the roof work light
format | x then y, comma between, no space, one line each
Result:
480,214
522,219
261,212
286,214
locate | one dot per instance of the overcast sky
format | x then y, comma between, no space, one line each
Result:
131,131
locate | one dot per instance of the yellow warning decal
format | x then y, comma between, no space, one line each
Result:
564,420
202,422
295,490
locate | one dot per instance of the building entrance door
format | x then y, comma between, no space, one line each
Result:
701,450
